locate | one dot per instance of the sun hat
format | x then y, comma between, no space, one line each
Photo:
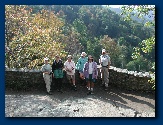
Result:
103,50
69,56
46,58
83,54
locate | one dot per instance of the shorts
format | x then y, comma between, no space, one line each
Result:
90,79
69,77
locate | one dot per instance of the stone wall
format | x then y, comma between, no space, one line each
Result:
130,80
23,79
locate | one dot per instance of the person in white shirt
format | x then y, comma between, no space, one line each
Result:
90,73
70,71
105,63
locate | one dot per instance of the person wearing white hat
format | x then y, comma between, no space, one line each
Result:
105,63
70,71
47,70
80,65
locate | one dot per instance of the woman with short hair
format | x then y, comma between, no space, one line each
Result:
47,71
90,73
57,68
70,71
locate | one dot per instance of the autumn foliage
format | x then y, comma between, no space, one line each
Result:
31,37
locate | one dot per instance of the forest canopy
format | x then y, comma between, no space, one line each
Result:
36,31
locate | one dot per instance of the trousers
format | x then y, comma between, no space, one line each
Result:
105,76
48,80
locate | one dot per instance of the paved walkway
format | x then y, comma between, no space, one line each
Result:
111,103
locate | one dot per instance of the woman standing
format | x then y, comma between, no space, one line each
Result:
57,68
70,71
46,69
80,65
90,73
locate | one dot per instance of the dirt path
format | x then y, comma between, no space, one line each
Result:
111,103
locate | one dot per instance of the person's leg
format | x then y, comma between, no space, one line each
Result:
92,83
60,84
69,79
89,87
81,75
106,80
73,82
102,72
92,87
47,82
57,83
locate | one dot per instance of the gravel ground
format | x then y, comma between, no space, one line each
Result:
111,103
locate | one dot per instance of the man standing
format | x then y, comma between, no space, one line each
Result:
105,63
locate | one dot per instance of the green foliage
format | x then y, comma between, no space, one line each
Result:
37,36
112,48
147,46
77,28
140,64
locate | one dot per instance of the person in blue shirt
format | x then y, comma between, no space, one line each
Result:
80,65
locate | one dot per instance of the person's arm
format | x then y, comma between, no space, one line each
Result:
43,70
73,67
84,69
62,65
77,64
53,67
65,67
100,60
108,63
96,70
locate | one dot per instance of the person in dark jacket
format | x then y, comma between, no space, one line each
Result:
57,69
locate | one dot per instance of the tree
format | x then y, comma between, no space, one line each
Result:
147,45
112,48
36,36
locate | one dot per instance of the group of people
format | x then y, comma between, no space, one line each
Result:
87,69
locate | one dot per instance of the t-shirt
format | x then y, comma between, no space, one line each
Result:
46,68
81,62
71,66
90,68
104,60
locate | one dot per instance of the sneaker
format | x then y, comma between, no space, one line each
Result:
92,93
74,88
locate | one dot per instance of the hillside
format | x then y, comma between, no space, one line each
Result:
146,18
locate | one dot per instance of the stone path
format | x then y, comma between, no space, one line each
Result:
113,103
